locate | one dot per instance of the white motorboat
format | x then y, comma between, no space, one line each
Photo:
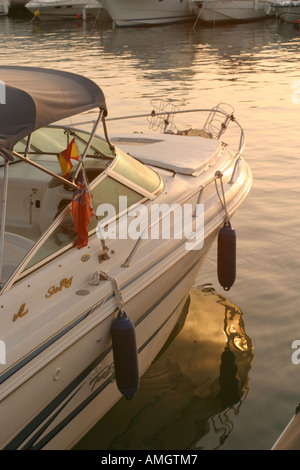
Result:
4,7
63,8
100,244
232,10
147,12
287,10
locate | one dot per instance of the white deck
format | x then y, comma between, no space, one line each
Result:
185,155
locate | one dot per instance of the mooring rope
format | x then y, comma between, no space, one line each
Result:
103,276
223,202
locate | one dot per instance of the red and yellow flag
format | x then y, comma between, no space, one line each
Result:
64,157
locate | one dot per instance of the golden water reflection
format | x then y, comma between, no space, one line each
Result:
191,393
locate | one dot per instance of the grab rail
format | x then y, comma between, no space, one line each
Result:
229,117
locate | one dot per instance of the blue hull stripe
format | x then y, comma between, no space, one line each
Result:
36,422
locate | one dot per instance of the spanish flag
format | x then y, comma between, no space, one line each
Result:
82,211
65,156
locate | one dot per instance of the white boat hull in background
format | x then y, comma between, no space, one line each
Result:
227,10
62,8
147,12
287,11
4,7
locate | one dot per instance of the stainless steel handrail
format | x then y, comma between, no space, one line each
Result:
229,118
3,216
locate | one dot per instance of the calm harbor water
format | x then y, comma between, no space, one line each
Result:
184,397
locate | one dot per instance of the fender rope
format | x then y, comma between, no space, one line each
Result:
102,276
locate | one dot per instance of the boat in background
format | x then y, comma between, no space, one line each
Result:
148,12
4,7
101,240
63,8
286,10
232,10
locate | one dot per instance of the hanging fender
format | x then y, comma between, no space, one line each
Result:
125,355
226,261
226,258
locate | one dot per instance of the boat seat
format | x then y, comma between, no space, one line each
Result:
51,204
16,248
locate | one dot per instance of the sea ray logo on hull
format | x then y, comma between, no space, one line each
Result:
101,375
2,92
65,282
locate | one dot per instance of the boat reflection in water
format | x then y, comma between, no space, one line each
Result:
193,389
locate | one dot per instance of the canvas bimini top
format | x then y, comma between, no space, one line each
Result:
36,97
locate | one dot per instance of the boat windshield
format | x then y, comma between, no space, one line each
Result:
39,223
52,140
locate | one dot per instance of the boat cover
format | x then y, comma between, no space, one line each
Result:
32,97
185,155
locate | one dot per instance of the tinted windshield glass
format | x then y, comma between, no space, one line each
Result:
52,140
137,172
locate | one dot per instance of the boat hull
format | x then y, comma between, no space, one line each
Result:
68,415
240,10
287,13
56,9
148,12
4,7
